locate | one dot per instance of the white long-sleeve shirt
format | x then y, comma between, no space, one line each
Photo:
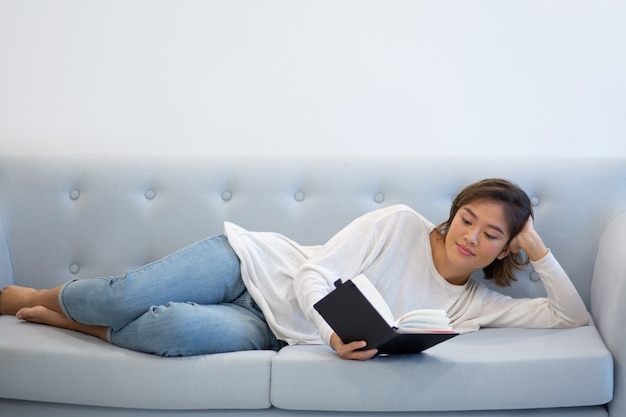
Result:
391,247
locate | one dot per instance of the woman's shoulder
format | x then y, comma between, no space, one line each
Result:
400,212
393,210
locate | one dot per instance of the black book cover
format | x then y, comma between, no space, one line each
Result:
352,317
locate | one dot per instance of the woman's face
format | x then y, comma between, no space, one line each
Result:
477,236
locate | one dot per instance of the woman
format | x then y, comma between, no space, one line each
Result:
256,290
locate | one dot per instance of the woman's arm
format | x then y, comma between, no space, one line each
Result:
344,256
340,258
562,307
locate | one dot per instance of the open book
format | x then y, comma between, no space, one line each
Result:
356,311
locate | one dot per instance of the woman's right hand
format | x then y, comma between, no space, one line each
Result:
529,241
351,350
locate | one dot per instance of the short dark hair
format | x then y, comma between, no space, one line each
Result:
517,210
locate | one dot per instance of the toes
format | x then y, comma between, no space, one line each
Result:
42,315
31,314
24,314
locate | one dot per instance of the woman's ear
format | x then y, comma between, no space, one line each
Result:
505,252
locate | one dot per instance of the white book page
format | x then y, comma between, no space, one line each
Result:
427,319
373,296
415,321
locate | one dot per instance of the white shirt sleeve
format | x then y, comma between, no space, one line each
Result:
341,258
367,242
562,307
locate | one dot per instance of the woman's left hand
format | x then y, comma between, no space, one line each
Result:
529,241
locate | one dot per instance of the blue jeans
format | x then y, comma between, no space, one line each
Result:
191,302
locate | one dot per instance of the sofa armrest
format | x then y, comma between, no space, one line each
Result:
608,292
6,266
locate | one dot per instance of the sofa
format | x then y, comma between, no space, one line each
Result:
66,216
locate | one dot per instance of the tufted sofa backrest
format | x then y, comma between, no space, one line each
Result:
85,215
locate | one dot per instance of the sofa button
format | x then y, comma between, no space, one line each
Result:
299,196
74,195
227,195
150,194
74,269
379,197
534,276
534,201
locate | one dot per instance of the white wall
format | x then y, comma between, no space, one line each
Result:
324,76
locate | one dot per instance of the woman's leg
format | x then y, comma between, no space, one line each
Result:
185,329
43,315
178,329
207,272
13,298
159,308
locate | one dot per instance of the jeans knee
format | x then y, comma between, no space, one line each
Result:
185,329
173,319
164,330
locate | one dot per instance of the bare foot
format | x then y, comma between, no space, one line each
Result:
13,298
44,315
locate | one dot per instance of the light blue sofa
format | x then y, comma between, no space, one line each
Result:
64,216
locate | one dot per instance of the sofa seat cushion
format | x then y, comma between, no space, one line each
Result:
487,370
53,365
